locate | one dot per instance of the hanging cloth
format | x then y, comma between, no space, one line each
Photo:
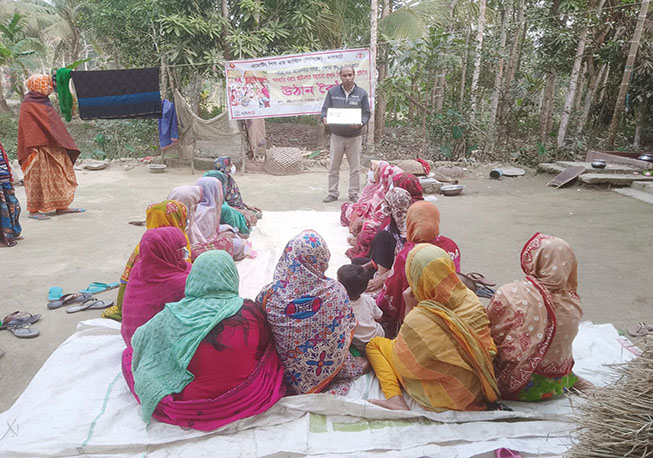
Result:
118,94
63,93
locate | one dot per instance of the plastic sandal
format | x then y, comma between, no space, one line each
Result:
54,293
67,299
480,278
91,304
99,287
19,319
640,329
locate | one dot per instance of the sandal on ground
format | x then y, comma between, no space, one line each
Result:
640,329
99,287
38,216
19,319
63,211
485,291
91,304
480,278
54,293
67,299
23,331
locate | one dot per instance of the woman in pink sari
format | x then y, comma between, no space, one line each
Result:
371,197
422,226
534,321
159,277
207,360
367,221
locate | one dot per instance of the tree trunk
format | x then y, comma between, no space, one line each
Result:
589,97
381,101
604,83
4,108
463,73
580,88
571,92
625,80
477,58
547,107
641,117
225,30
374,16
498,76
511,69
442,74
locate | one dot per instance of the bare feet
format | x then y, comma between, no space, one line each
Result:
394,403
584,386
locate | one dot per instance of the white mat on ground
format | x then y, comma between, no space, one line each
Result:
79,405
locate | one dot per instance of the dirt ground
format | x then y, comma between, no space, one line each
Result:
611,235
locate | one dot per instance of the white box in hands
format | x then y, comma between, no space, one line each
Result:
344,116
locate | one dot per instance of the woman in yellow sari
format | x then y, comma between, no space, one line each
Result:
166,213
442,356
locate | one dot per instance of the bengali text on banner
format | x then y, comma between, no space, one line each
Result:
290,85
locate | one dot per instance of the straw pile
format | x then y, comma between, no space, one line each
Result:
617,421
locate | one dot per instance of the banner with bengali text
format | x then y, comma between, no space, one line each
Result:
290,85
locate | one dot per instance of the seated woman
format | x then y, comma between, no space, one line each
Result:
168,213
534,322
422,226
207,360
443,354
410,183
364,226
390,240
159,277
230,215
311,319
232,193
371,197
209,234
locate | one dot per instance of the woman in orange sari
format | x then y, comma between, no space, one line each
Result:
442,356
46,153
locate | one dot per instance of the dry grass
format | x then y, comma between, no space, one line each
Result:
617,420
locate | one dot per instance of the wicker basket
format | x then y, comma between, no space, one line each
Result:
283,161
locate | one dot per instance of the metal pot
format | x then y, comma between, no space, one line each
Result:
599,164
648,157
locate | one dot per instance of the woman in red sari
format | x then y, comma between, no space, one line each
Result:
209,359
46,153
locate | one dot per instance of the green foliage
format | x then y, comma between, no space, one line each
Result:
9,129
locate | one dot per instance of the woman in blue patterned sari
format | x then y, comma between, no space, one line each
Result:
9,206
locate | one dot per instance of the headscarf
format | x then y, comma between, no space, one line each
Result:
398,201
41,84
534,321
207,214
422,222
39,125
165,213
309,314
444,343
410,183
165,345
231,192
159,277
190,196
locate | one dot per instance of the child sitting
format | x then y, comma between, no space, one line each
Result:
355,278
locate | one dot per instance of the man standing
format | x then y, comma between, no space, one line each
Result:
345,138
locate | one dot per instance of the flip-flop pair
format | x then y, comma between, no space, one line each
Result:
91,304
68,299
18,323
640,329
